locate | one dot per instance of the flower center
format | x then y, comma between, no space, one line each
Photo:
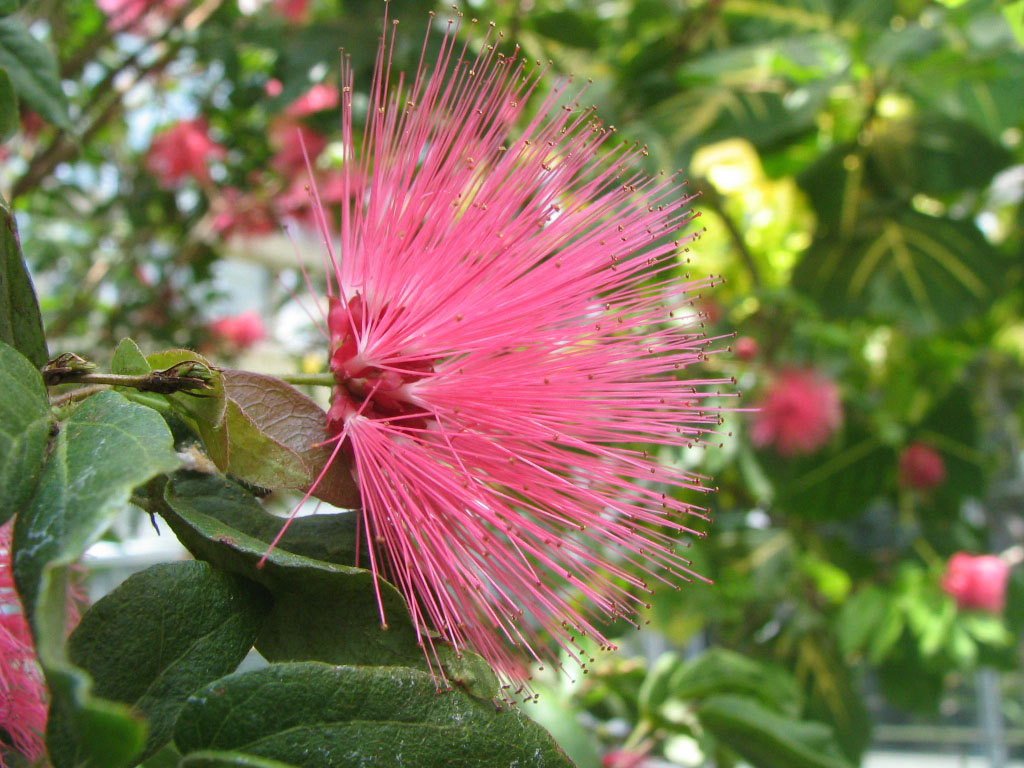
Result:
374,391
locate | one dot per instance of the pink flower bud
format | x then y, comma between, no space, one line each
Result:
745,348
239,331
798,414
182,150
977,581
273,87
921,467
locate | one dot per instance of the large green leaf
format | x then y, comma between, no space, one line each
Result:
21,326
33,70
107,447
25,424
767,739
216,758
907,266
158,637
335,605
320,716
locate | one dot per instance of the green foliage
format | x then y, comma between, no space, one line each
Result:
32,70
25,424
318,715
20,323
157,638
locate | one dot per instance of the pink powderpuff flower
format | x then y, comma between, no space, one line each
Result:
237,213
290,138
295,11
318,98
977,581
798,414
23,696
239,331
182,150
507,331
131,15
921,467
745,348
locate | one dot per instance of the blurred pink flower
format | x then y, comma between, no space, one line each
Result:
239,331
745,348
273,87
318,98
238,213
23,694
798,414
296,11
130,15
506,330
182,150
921,467
289,138
623,758
977,581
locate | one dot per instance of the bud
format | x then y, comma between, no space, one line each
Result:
976,581
921,467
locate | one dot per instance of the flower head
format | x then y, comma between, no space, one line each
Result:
798,414
509,329
977,581
921,467
239,331
182,150
22,691
132,15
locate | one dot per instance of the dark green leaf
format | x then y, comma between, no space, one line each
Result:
767,739
951,428
160,636
274,430
934,155
25,424
8,107
573,28
8,7
320,716
20,323
33,70
204,411
915,268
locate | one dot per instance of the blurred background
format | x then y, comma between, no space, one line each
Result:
861,169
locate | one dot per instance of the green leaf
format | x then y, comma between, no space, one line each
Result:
204,411
574,28
128,360
274,432
21,326
321,716
25,424
216,758
934,155
160,636
1014,12
335,605
33,71
715,672
107,447
767,739
908,267
859,618
8,7
8,107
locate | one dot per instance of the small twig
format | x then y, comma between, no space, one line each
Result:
186,376
76,394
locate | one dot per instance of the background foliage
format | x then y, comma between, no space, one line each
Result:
860,164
